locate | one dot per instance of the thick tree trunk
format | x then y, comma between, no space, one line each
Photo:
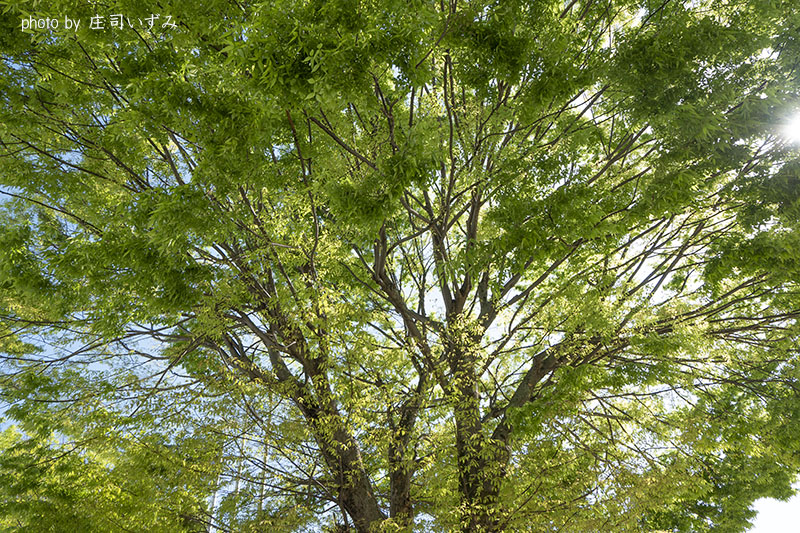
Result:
343,458
479,472
400,508
401,456
339,448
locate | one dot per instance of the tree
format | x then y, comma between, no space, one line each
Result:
394,266
131,486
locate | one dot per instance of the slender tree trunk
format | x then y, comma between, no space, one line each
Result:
211,506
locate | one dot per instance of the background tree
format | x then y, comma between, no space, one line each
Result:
134,484
385,266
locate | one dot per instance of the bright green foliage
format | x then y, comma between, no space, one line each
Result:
399,266
135,487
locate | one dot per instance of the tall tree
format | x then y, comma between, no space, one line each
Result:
469,266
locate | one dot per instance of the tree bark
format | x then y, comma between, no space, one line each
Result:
479,476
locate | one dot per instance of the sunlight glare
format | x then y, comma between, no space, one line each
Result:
791,131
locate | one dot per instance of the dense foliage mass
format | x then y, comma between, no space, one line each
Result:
376,265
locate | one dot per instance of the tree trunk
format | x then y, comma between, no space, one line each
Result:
479,473
343,458
400,508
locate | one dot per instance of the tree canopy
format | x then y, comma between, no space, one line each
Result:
386,266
